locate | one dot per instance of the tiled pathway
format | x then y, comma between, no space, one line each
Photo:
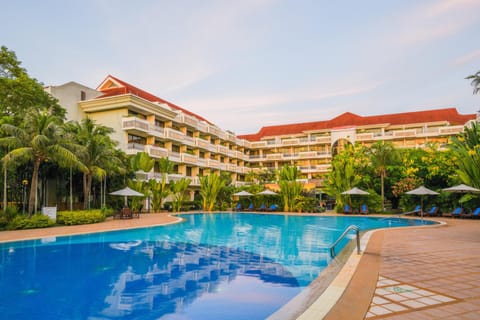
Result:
392,296
420,273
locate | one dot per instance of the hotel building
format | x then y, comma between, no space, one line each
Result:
197,147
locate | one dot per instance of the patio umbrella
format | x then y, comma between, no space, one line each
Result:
243,194
355,191
267,192
126,192
462,188
422,191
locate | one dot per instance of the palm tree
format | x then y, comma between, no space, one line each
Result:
381,155
210,186
178,192
475,82
290,189
343,175
41,137
467,148
98,152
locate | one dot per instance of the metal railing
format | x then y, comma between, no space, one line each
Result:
352,227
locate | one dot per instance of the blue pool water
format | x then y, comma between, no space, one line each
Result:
211,266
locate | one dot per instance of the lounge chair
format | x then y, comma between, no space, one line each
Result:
454,214
273,207
263,207
474,214
364,209
238,207
250,207
347,209
433,212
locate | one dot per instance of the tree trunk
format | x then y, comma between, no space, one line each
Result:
383,191
33,188
87,186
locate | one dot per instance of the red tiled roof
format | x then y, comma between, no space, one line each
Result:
349,119
128,88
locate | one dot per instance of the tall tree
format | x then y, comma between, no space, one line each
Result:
19,92
97,154
178,192
382,154
210,187
343,175
475,82
467,148
40,137
290,189
160,189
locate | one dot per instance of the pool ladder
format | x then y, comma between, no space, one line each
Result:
351,227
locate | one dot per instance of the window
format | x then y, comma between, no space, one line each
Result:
83,95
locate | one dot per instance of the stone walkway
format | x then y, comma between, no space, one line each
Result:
420,273
145,220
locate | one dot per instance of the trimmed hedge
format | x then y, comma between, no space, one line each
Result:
36,221
70,218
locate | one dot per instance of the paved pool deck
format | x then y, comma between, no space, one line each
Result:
408,273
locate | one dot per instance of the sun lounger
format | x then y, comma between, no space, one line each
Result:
415,211
474,214
347,209
273,207
238,207
433,212
456,213
263,207
363,209
250,207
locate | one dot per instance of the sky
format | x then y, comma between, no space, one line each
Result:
252,63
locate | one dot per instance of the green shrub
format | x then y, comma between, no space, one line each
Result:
36,221
80,217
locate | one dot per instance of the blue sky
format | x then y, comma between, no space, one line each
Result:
247,64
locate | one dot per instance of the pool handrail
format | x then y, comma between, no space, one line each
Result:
350,227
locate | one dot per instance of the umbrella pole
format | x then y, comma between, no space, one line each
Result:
421,207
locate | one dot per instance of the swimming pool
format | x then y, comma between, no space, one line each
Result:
211,266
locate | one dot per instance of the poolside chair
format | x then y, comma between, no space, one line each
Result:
238,207
263,207
474,214
250,207
455,213
433,212
273,207
347,209
364,209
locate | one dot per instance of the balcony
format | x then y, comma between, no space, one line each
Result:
324,140
135,124
364,136
174,134
217,132
404,133
222,149
133,148
215,164
156,152
258,144
204,144
188,158
189,141
315,168
290,142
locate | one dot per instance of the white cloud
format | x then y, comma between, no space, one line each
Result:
249,102
467,58
437,20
